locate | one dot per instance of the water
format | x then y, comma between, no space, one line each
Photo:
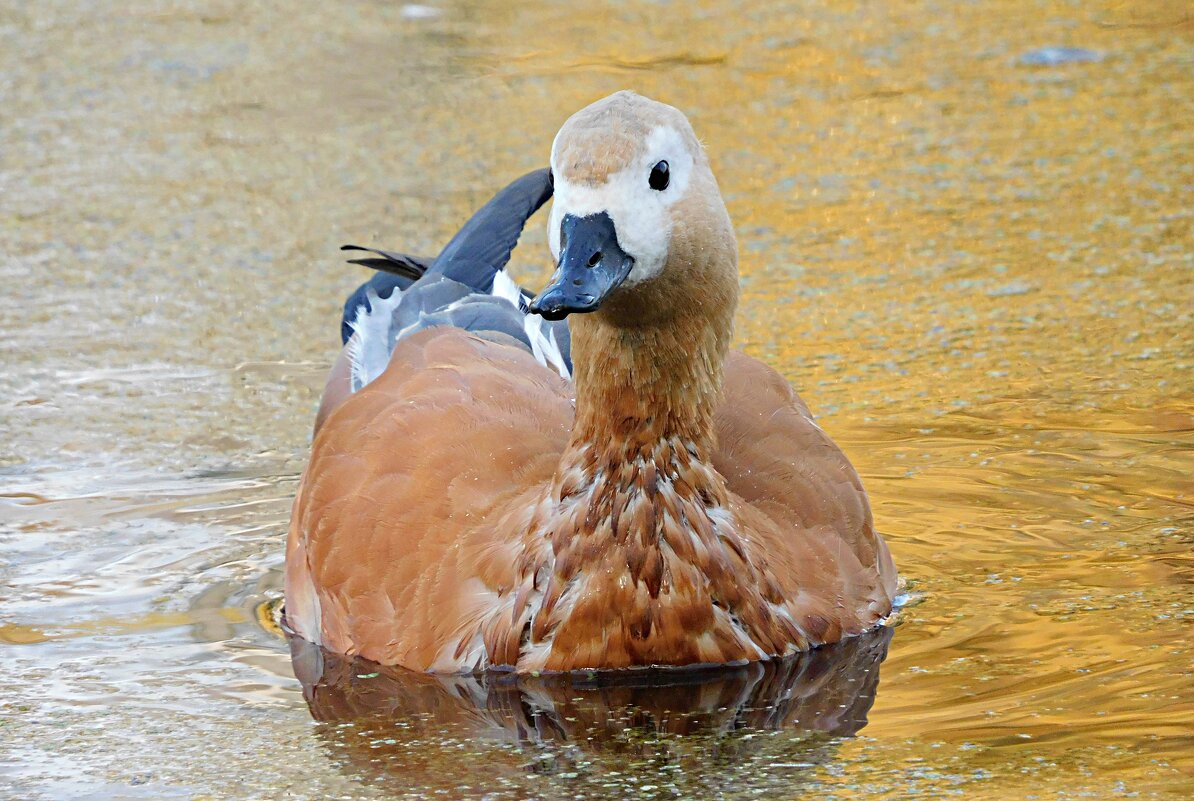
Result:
977,268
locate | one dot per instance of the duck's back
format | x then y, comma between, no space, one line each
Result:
440,410
802,504
405,527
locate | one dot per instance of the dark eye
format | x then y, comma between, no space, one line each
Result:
659,176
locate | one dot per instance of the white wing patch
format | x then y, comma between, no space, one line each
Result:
543,344
505,288
370,347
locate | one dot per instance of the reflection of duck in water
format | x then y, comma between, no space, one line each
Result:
420,731
471,503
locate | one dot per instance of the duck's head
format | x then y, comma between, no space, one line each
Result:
638,228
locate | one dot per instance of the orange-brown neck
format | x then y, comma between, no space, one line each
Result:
639,385
648,365
646,563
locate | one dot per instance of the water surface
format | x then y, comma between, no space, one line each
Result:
974,260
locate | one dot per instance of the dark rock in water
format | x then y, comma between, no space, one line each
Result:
1056,56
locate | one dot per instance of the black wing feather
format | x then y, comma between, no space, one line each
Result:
404,264
483,245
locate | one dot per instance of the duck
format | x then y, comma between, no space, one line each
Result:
585,478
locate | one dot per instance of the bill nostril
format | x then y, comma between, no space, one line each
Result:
595,259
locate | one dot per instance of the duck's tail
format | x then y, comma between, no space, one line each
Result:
402,265
395,271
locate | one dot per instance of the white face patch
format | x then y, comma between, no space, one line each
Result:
639,213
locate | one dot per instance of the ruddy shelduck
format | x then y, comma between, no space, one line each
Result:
492,486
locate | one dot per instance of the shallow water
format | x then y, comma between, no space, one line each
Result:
972,256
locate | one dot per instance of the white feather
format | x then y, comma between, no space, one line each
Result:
505,288
369,348
543,344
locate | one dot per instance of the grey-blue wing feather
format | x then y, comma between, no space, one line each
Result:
457,288
484,244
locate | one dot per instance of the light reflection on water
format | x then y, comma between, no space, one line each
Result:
978,270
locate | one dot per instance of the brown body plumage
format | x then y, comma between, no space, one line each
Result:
675,505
